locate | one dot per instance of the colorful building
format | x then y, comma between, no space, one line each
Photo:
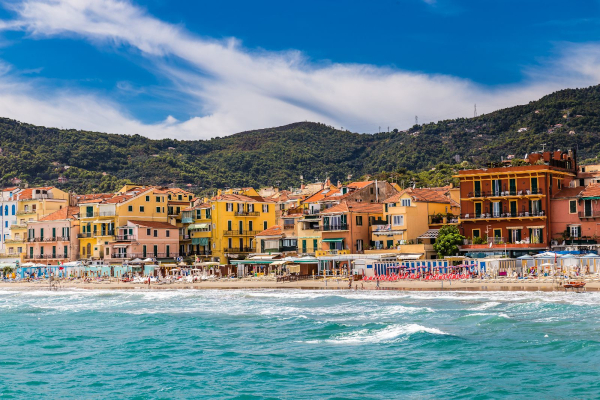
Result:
144,239
237,219
576,216
53,239
200,231
506,209
346,227
8,214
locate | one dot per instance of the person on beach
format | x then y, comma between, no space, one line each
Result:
350,284
377,281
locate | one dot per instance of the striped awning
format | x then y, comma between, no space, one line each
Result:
430,234
197,226
335,240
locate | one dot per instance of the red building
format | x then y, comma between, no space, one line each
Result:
506,208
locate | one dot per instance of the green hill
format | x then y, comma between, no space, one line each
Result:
278,156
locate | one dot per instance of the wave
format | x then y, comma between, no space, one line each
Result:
390,334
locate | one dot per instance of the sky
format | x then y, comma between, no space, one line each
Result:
200,69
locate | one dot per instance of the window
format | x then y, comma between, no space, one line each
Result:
535,235
142,209
207,213
496,209
158,199
265,208
168,251
14,209
398,220
264,225
158,210
575,231
168,233
572,206
155,233
405,202
130,208
359,220
179,197
148,198
149,232
476,233
228,206
359,245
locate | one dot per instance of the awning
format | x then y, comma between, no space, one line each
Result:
197,226
537,227
430,234
196,241
333,240
279,262
121,245
409,256
514,227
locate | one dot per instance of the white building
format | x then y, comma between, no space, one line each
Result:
8,214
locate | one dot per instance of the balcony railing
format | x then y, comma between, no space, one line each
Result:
45,256
23,212
187,220
337,227
125,238
241,232
281,249
288,226
436,219
522,214
247,214
239,250
143,255
50,239
95,234
505,193
589,214
500,241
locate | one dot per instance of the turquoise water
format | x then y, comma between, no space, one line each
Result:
299,344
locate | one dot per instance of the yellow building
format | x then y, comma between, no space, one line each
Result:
199,231
236,219
412,219
32,205
103,218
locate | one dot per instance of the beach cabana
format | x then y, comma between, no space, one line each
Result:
590,263
527,263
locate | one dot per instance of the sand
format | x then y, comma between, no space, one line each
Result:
331,284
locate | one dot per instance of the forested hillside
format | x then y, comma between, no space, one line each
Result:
278,156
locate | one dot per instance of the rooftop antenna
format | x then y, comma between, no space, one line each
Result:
475,111
416,120
543,147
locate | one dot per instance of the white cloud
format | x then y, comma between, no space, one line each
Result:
236,89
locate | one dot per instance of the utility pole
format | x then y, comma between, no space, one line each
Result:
475,111
416,120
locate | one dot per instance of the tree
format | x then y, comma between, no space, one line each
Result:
448,240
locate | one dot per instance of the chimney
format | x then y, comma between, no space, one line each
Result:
303,186
328,182
339,185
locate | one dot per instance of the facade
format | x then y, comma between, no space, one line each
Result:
144,239
507,209
237,219
576,215
53,239
33,204
8,214
200,231
275,241
346,227
413,218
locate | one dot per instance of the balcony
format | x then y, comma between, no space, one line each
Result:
238,250
247,214
504,215
103,214
439,219
187,220
337,227
505,193
281,249
95,234
288,226
25,212
45,257
125,238
125,256
502,243
240,233
50,239
589,214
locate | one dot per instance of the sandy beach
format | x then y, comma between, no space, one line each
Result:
331,284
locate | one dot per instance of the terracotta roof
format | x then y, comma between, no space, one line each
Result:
10,189
569,192
429,195
93,198
272,231
27,194
359,185
63,213
592,190
321,195
153,224
119,198
345,206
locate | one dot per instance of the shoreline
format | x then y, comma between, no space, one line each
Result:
527,286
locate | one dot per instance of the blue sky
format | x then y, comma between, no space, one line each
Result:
199,69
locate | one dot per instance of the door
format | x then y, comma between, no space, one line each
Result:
477,210
534,185
304,246
477,189
241,227
587,204
497,236
513,209
513,187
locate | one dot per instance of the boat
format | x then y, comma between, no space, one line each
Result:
577,286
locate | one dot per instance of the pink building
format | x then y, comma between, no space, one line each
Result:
576,215
144,239
53,238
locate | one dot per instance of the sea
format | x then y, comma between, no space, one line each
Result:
298,344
